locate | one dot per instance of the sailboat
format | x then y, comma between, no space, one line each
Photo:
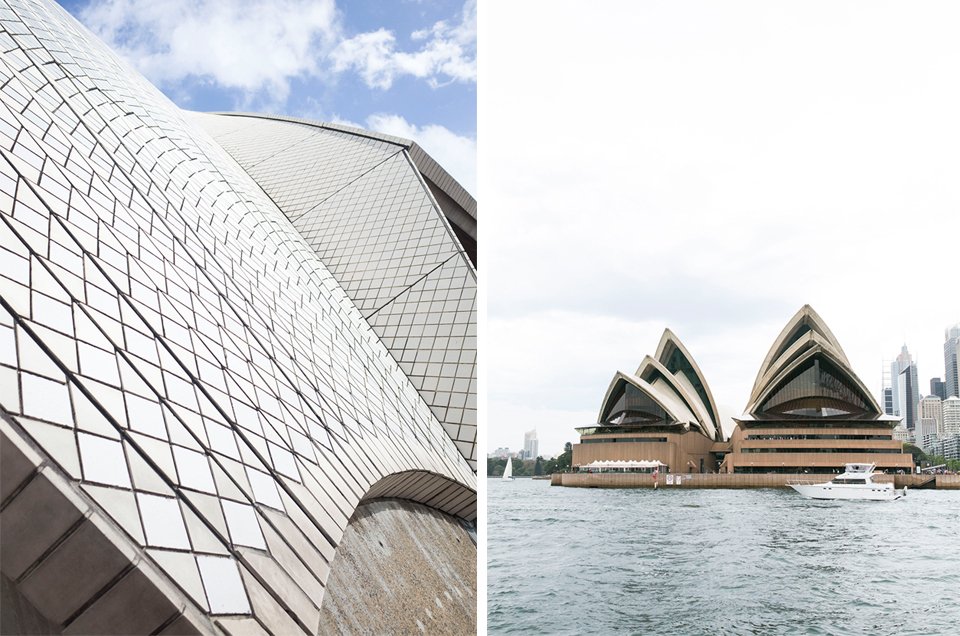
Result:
508,470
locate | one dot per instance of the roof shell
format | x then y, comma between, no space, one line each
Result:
674,381
805,339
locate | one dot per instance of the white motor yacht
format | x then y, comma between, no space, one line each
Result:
856,482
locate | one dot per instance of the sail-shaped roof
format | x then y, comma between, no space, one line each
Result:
807,374
668,389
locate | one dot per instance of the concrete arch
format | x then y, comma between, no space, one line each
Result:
427,488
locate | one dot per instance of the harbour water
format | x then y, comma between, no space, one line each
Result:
766,561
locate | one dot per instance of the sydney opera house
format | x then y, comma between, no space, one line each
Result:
664,412
237,362
808,412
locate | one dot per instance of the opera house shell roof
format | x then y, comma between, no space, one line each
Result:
806,374
219,337
667,391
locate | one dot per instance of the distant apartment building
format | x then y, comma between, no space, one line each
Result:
927,443
531,446
501,453
951,352
951,416
926,433
901,434
947,447
931,409
950,449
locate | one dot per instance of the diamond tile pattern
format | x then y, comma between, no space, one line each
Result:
172,343
299,166
431,330
361,204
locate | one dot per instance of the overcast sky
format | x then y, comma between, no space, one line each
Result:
405,68
710,167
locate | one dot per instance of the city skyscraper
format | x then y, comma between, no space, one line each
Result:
531,446
938,388
951,359
204,399
906,390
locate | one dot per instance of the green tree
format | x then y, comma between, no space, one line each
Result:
565,460
538,467
937,460
495,466
918,455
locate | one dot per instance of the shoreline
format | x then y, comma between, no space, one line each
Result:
736,480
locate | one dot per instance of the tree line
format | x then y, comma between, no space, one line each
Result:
923,460
532,467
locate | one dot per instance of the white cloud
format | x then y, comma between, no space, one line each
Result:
448,53
256,47
713,168
550,368
457,154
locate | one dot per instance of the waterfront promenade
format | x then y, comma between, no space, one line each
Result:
734,480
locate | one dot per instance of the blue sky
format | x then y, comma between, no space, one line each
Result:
406,68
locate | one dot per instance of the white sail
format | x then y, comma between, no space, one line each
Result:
508,470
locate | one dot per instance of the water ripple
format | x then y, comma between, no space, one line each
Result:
573,561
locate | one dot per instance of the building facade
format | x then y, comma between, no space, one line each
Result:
947,447
664,412
906,389
938,388
395,230
951,416
531,446
951,359
809,412
931,410
886,391
212,371
888,400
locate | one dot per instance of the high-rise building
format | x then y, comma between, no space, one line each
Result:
931,408
888,400
951,416
938,388
951,358
886,392
906,389
204,395
531,447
